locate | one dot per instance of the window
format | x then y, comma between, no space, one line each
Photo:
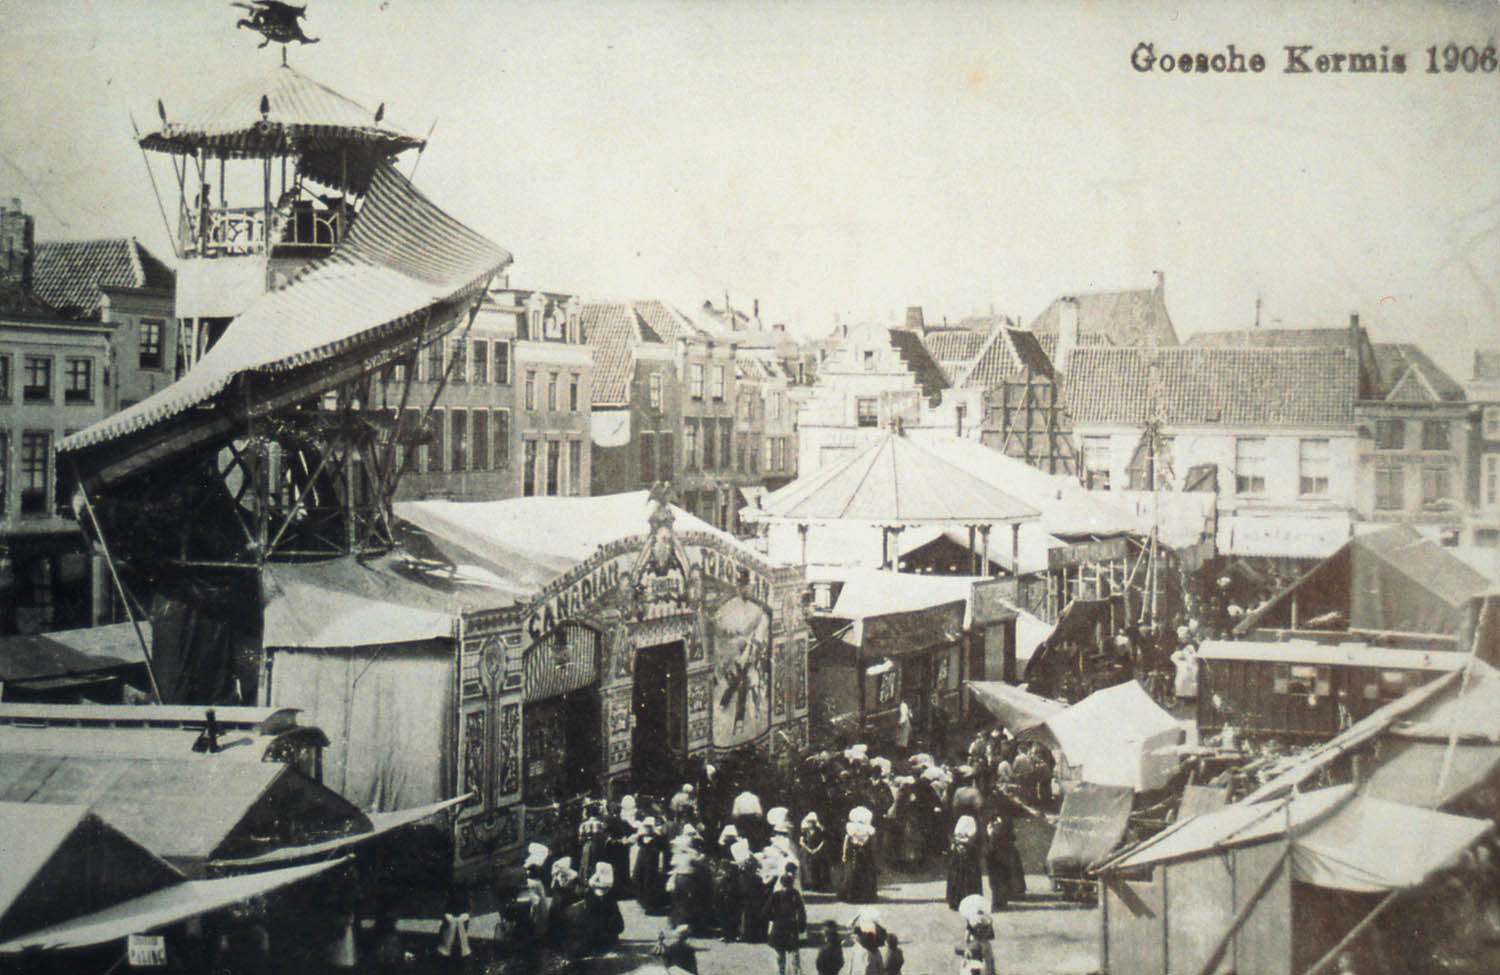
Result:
690,444
697,380
958,419
435,441
709,451
480,439
1492,480
575,464
502,363
481,359
152,335
80,381
435,361
1388,494
653,391
866,411
1491,422
726,435
1313,467
36,458
4,379
1250,465
552,392
38,387
869,360
648,458
536,325
1302,680
1142,465
1436,485
573,393
528,469
1435,435
501,456
460,439
460,371
531,389
668,457
1390,434
718,390
1096,462
554,462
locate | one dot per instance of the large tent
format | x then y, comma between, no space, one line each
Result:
1392,579
1115,736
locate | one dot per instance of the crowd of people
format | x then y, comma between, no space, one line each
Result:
715,860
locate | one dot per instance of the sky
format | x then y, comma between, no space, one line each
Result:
841,161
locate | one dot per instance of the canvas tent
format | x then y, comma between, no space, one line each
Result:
1115,736
1219,892
1015,708
1392,579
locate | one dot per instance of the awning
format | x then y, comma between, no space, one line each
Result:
383,822
1341,841
1013,707
1091,824
160,908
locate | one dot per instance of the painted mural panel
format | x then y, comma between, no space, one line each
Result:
739,647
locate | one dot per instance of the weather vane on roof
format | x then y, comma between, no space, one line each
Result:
276,21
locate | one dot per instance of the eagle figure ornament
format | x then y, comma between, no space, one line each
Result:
275,21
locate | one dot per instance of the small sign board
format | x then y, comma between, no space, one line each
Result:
146,950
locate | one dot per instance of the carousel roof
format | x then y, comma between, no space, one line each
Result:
284,112
893,481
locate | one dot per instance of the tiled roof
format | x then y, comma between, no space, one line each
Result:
954,348
1007,356
1487,364
1407,374
1271,338
923,366
660,322
1234,387
69,273
1119,317
611,332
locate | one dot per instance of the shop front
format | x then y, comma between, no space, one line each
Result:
656,654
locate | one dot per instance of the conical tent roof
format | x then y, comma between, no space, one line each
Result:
300,111
894,482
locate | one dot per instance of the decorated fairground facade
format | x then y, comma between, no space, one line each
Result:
658,653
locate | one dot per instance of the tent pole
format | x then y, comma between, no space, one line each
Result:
109,560
1242,915
1333,953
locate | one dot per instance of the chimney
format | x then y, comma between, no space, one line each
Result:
17,244
1161,281
1067,331
914,319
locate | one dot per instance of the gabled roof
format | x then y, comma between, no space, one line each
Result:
403,264
955,348
68,274
894,481
1233,387
1006,357
25,657
1136,317
1408,375
611,331
660,322
923,366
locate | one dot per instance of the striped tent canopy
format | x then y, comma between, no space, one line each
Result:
404,265
302,118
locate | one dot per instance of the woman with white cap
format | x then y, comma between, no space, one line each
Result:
964,873
647,880
869,938
979,935
812,841
860,880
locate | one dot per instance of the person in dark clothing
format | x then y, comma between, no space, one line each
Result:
649,884
812,842
999,848
894,959
788,917
675,951
830,959
964,862
729,906
752,900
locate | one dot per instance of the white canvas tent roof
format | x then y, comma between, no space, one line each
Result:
1017,709
1117,736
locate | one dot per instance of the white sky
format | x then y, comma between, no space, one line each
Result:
853,158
